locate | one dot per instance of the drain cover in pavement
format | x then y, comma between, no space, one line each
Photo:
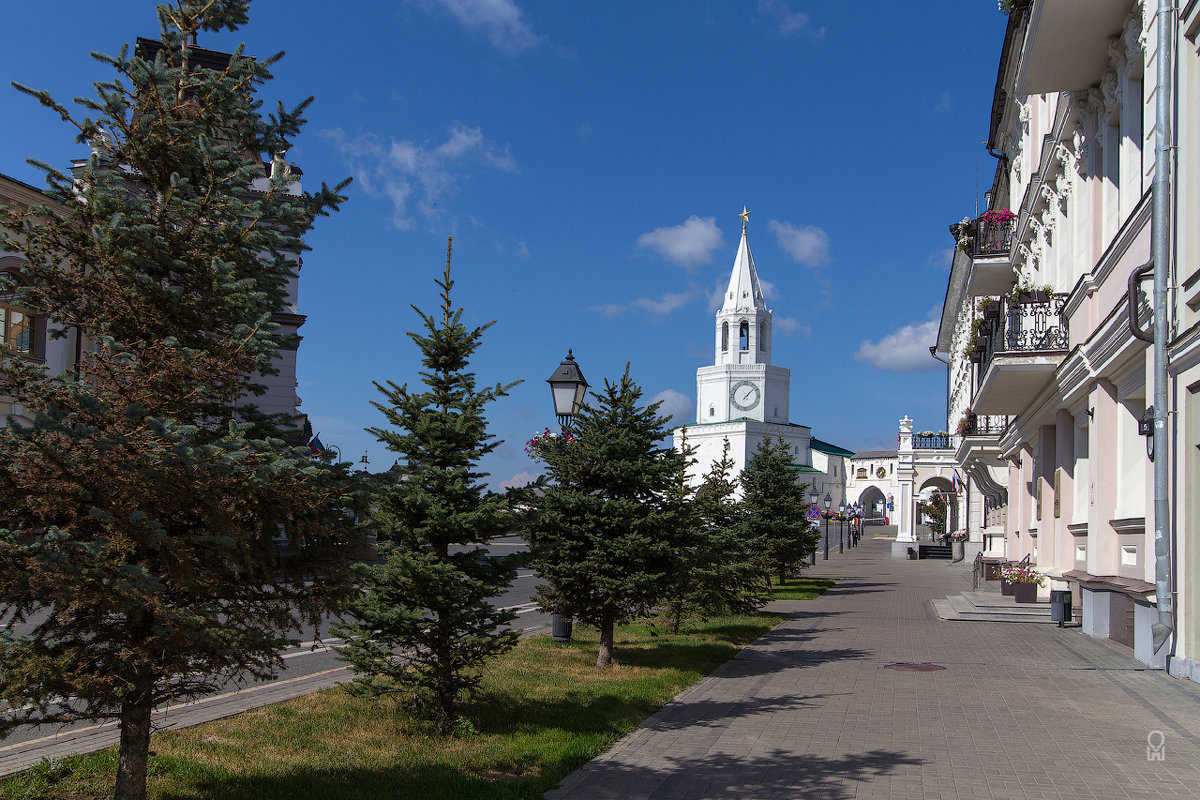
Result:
914,667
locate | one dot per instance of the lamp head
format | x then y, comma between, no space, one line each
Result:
568,387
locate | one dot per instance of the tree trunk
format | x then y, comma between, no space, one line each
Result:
134,751
782,578
604,659
676,617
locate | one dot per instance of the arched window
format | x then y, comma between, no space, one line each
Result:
762,335
744,336
18,324
724,336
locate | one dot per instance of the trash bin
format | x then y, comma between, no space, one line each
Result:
560,628
1060,606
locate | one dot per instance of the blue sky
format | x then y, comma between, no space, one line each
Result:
590,161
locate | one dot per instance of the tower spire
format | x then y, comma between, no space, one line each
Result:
744,292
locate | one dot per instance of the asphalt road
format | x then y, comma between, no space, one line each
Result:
316,654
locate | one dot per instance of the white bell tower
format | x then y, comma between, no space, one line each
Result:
742,383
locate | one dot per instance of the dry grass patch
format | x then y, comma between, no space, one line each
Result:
544,710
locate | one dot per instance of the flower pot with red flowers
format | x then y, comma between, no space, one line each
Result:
1024,582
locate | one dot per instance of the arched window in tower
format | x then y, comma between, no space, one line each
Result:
762,335
744,336
724,336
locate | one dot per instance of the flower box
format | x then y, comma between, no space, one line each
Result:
1006,588
1025,592
1034,296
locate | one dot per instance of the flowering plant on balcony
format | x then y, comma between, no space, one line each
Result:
535,446
966,425
1018,574
997,216
1024,291
962,233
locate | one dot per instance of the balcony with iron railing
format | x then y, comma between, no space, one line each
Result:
990,240
1020,345
933,441
983,425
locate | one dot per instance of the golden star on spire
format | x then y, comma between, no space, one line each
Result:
745,215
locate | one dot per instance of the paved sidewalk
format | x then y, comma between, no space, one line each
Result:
812,709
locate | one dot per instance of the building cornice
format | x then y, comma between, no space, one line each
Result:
1184,352
1138,219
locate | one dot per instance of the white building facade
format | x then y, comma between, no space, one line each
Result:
1048,378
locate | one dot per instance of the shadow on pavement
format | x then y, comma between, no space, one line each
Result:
762,662
718,714
778,774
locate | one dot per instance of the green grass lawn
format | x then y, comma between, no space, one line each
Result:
544,710
802,588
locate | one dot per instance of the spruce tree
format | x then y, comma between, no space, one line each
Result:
713,570
423,625
601,533
142,506
775,527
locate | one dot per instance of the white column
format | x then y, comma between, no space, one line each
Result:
905,508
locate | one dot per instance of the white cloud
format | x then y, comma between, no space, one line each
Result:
689,244
659,308
903,350
676,405
943,104
499,20
793,325
520,479
790,22
807,245
400,169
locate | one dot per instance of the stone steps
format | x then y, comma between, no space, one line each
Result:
990,607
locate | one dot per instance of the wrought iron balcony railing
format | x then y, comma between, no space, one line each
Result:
993,238
986,425
932,441
1035,323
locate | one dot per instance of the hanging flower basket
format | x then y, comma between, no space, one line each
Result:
992,311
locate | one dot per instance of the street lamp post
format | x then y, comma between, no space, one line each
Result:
813,497
828,501
568,388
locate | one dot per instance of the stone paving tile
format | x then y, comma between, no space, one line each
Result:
809,710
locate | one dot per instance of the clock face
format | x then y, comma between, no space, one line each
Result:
744,395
